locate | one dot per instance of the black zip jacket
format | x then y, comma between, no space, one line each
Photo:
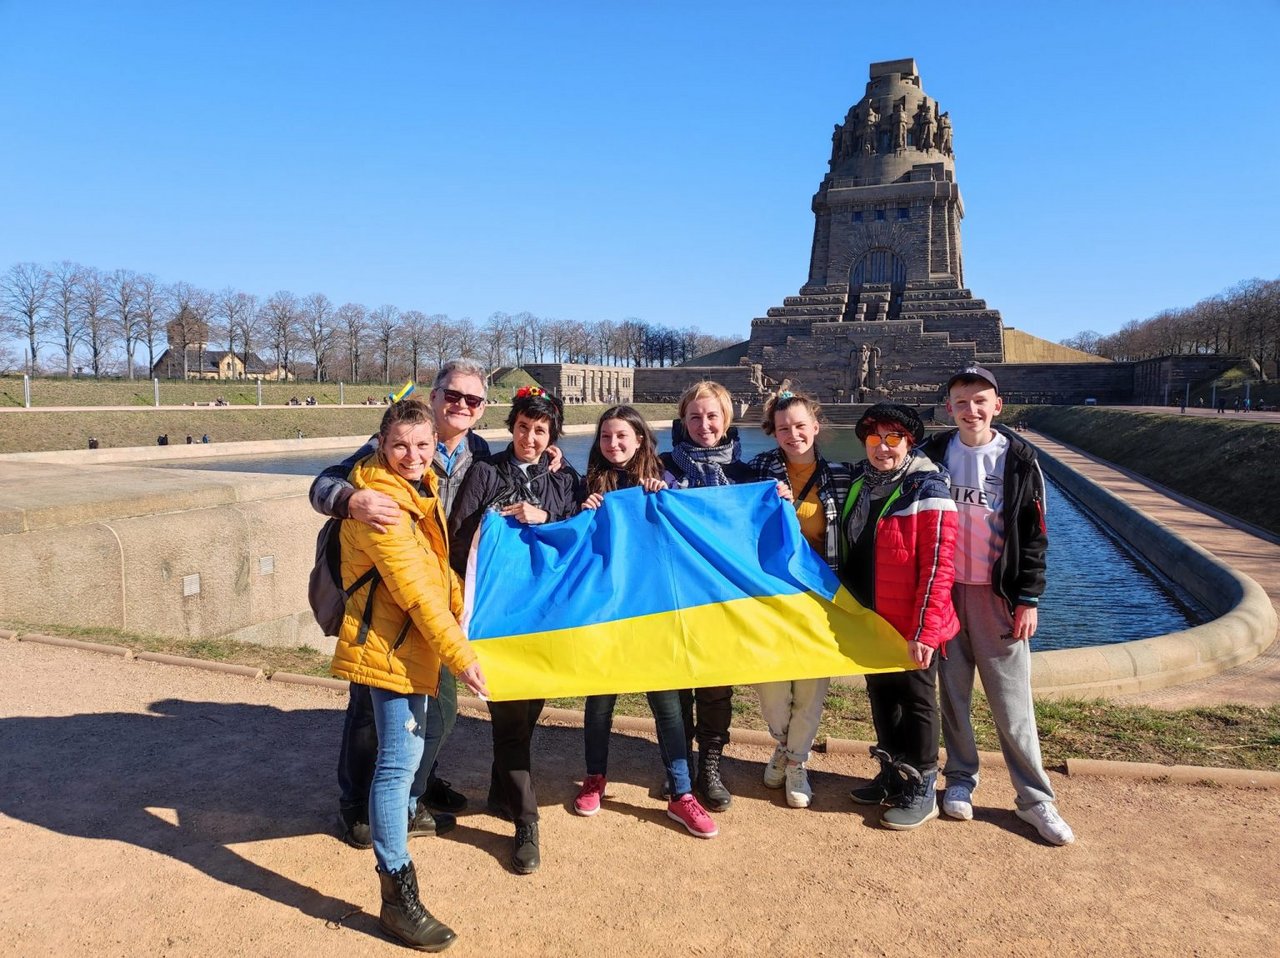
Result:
1018,575
499,482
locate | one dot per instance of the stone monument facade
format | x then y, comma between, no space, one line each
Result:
885,310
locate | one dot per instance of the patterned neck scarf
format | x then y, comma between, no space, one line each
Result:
705,467
875,484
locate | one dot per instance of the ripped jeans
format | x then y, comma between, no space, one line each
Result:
401,723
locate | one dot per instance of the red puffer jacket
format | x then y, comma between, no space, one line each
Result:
915,556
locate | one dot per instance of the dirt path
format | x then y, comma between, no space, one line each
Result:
153,810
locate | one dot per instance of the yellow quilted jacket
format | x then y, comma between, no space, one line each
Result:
417,602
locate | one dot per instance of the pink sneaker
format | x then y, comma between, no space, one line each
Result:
588,800
692,816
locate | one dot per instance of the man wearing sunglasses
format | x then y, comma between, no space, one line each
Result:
458,403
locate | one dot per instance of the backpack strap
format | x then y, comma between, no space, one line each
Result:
373,577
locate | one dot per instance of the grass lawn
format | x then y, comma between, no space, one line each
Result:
1226,736
1230,463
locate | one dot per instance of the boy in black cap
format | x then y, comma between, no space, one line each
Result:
1000,573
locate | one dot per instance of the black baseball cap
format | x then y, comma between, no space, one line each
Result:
975,372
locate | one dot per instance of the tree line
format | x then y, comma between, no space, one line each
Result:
1243,320
72,319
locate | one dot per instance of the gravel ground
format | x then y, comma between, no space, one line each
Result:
147,809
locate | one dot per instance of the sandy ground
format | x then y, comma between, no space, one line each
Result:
153,810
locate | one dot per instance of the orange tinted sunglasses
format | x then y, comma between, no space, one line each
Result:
891,439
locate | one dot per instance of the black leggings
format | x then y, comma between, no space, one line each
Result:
904,708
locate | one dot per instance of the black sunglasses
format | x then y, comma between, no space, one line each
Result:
453,396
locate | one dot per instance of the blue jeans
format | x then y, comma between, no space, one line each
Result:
442,713
359,748
401,724
598,720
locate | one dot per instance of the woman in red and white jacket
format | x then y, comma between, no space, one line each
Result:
898,536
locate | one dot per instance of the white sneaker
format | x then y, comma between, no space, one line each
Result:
775,772
957,802
799,794
1048,823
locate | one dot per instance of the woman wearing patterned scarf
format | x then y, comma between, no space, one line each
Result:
705,452
818,488
898,532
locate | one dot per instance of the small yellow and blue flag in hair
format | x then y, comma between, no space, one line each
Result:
667,590
403,393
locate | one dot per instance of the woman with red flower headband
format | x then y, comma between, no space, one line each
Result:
518,483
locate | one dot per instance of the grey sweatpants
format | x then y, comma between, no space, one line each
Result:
1005,669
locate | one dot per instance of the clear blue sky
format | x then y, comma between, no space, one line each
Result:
601,160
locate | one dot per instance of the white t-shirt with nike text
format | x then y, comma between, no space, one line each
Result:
977,485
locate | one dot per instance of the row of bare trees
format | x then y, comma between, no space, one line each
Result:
68,318
1241,321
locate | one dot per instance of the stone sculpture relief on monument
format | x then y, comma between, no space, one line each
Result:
885,310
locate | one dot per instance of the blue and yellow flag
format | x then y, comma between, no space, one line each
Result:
652,591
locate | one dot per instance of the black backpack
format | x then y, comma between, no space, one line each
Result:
325,592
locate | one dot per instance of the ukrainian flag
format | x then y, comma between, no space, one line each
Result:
675,589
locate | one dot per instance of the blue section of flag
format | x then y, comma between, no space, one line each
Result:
640,554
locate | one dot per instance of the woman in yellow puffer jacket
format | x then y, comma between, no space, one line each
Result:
397,630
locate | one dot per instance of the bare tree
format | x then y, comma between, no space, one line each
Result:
95,309
385,321
353,320
24,294
497,339
318,328
122,295
414,328
632,333
64,311
468,339
191,309
282,326
237,313
150,307
520,328
251,323
441,338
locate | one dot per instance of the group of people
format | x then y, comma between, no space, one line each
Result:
943,536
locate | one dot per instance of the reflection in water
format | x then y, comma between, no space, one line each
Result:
1098,591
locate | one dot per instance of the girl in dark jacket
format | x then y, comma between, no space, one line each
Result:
899,533
625,456
518,484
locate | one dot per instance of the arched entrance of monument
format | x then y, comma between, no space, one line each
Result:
878,273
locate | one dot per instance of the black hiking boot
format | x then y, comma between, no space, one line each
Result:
885,788
711,788
404,917
525,855
354,832
440,797
424,824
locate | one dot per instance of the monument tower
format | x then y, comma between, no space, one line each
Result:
885,310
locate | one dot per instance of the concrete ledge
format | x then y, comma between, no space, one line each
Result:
1181,774
76,644
247,671
1245,625
317,681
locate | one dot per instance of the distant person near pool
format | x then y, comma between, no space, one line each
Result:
1000,575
